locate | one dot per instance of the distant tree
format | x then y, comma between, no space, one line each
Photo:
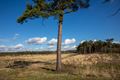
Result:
99,46
90,44
110,40
109,44
55,8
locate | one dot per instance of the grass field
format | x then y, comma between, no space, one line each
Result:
74,67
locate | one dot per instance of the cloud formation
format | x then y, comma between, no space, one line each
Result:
68,47
2,48
69,41
51,46
82,41
118,42
17,47
53,41
37,40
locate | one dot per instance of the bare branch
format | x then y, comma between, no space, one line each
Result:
116,12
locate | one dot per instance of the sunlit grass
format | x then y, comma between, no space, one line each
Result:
75,67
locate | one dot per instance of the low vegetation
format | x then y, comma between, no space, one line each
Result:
75,67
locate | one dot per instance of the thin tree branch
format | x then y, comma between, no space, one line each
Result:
116,12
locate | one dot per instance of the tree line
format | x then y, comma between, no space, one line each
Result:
107,46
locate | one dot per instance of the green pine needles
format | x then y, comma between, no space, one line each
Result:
48,8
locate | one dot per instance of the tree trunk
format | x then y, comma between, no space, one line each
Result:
58,59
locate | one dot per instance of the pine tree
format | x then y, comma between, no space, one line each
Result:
55,8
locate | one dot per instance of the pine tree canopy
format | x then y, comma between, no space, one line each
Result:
48,8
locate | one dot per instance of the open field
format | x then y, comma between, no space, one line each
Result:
75,67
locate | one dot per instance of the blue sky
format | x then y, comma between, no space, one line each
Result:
95,22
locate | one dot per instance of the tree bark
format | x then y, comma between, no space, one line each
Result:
58,59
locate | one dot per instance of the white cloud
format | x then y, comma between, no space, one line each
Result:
73,47
45,48
53,41
37,40
82,41
51,46
18,46
118,42
94,40
67,47
69,41
2,46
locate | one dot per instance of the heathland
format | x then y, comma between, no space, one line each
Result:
95,66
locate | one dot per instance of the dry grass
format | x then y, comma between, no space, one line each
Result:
75,67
